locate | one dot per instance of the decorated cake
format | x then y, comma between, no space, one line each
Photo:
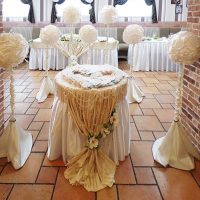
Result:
93,76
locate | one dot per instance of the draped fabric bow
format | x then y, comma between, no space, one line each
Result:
54,11
31,17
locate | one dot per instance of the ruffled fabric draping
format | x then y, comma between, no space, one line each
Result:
175,149
96,55
151,56
91,168
15,144
90,110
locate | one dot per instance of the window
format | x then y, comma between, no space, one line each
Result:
135,9
10,13
84,8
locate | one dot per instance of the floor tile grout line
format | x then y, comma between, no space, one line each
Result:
55,183
157,184
136,127
10,192
40,167
133,169
117,190
194,178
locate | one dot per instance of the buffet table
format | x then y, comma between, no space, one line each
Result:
96,55
151,55
94,100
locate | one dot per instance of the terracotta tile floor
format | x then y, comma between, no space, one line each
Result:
137,178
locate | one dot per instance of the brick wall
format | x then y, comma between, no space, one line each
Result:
191,83
1,78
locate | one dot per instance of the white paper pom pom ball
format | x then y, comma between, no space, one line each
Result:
13,49
184,48
71,14
88,34
50,34
133,34
108,15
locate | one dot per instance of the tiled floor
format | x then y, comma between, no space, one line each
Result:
137,178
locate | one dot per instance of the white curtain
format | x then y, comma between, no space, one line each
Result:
99,4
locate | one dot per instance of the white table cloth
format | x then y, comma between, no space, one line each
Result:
151,55
65,141
96,55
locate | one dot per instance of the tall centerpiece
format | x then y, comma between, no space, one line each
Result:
49,35
132,35
108,16
175,148
15,143
76,46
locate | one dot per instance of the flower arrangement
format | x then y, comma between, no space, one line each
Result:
108,15
107,129
184,47
50,34
88,33
133,34
14,49
71,14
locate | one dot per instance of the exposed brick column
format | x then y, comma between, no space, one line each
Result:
1,79
191,84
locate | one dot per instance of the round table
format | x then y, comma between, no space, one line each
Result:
64,137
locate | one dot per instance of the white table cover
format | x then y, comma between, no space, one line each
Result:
96,55
151,56
65,140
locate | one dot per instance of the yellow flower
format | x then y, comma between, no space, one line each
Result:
93,142
105,132
114,119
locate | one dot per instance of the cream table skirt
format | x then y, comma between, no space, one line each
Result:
151,56
66,141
